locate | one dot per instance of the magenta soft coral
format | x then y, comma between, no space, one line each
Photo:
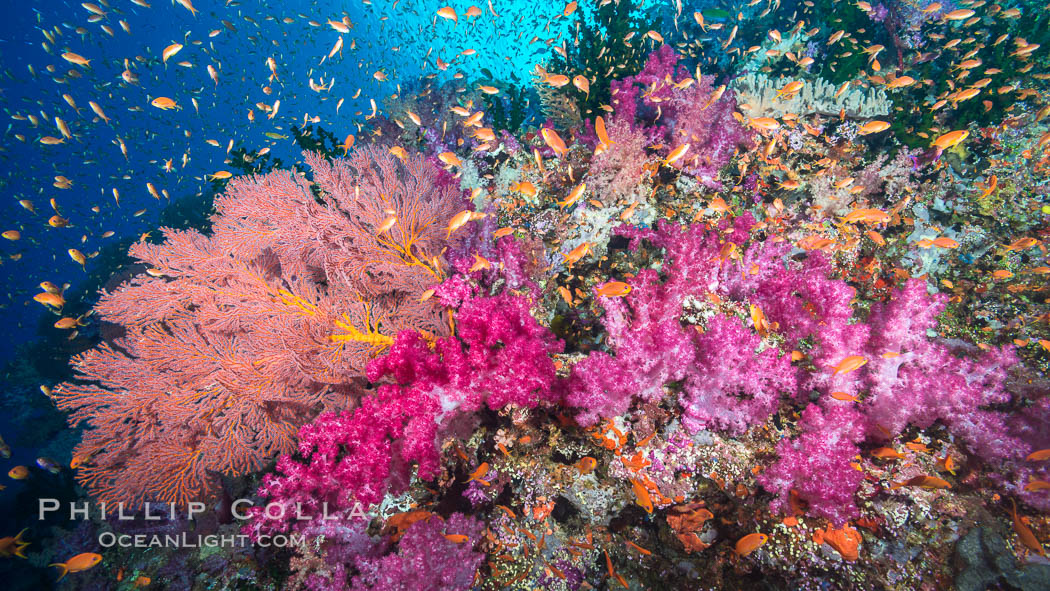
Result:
816,465
500,356
351,457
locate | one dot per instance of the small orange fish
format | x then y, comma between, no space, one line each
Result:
50,299
868,216
478,474
1023,244
578,253
873,127
449,13
614,289
566,295
386,225
849,364
18,473
887,453
456,538
450,159
586,465
79,563
1036,485
574,196
164,103
525,188
554,141
946,464
641,496
458,221
923,481
676,154
749,543
1039,456
844,397
582,83
13,545
480,263
1025,534
765,123
959,14
613,573
951,139
599,129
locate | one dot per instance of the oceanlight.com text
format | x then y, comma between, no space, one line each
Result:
184,540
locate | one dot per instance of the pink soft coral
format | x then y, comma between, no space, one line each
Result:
500,356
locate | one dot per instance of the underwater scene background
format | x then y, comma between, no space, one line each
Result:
606,294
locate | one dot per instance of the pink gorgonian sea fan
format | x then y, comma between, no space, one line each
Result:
233,340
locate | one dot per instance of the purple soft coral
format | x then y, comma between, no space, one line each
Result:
430,556
698,115
733,378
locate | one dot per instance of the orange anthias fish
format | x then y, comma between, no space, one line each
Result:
1039,456
13,545
641,496
599,129
164,103
950,139
78,563
614,289
923,481
574,196
874,127
554,141
676,154
50,299
749,543
1025,534
478,474
586,465
449,13
849,364
456,538
887,453
765,123
761,323
867,216
458,221
578,253
480,263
